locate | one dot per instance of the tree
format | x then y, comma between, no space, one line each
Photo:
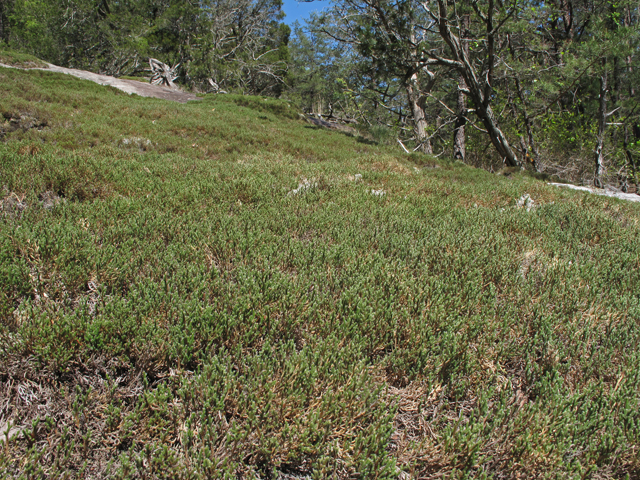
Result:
244,45
459,137
479,74
324,74
6,6
390,37
407,40
238,43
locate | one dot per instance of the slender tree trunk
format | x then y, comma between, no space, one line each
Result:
459,136
532,147
602,124
4,31
630,159
524,148
528,147
500,142
632,89
420,124
479,90
567,18
628,23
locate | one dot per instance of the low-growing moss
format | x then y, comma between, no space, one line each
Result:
21,60
279,108
228,294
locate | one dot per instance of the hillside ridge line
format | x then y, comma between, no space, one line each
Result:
127,86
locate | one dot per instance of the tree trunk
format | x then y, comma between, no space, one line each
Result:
630,159
498,139
485,113
602,124
567,18
4,30
479,90
534,155
459,137
420,124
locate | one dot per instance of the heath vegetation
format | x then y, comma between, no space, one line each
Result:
550,86
222,290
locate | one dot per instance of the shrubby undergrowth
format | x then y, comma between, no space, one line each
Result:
172,312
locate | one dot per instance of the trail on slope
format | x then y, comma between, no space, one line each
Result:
128,86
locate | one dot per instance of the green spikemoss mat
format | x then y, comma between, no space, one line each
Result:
218,290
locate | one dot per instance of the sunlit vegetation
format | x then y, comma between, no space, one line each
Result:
221,290
21,60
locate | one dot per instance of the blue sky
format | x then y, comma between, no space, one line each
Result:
300,10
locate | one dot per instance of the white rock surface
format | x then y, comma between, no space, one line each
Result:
632,197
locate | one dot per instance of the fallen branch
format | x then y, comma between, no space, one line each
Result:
402,145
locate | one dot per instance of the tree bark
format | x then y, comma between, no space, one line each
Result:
498,139
420,124
602,124
630,159
4,27
534,155
479,91
459,137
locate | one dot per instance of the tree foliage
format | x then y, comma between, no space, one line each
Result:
550,85
228,43
544,85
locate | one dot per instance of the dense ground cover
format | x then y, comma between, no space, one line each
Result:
22,60
219,289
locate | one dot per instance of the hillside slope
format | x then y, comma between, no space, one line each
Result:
143,89
220,290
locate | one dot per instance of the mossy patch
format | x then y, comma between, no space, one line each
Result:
20,60
215,290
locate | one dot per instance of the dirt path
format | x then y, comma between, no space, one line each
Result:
128,86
